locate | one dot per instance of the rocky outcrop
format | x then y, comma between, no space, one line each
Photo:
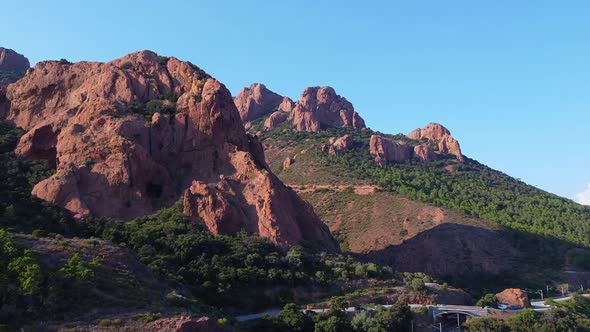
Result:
441,136
185,324
122,150
322,106
288,162
514,297
386,150
257,101
425,152
255,200
286,105
275,119
13,66
12,61
338,145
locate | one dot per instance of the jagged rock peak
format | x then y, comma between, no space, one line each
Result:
13,67
13,61
139,132
440,135
322,106
257,101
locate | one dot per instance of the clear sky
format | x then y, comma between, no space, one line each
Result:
510,79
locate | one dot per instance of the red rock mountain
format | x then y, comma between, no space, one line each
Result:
322,106
317,106
384,149
441,136
12,61
13,66
115,159
257,101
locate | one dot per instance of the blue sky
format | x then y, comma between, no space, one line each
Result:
510,79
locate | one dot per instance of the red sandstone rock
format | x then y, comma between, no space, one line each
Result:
441,136
514,297
424,152
341,144
286,105
257,101
112,163
275,119
322,106
12,61
386,150
288,162
255,200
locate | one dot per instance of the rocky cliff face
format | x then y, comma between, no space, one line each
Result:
387,150
317,107
440,136
133,134
322,106
257,101
12,66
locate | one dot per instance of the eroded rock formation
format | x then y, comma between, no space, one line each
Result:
13,66
338,145
441,136
123,149
386,150
257,101
275,119
322,106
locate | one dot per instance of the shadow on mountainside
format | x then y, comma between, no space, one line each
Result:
479,259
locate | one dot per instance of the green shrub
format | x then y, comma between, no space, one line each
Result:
163,60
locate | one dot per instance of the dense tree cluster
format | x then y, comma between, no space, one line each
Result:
228,270
224,271
471,187
29,289
569,316
479,191
291,319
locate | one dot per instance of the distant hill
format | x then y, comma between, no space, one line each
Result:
13,66
415,202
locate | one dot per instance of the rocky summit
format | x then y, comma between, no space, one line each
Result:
318,107
132,135
257,101
322,106
12,66
441,137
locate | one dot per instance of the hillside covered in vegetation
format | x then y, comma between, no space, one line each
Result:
494,219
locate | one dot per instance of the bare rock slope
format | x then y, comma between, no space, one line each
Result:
134,134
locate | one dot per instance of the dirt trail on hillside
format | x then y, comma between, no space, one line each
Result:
359,190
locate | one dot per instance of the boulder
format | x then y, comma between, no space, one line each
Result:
288,162
116,159
514,296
